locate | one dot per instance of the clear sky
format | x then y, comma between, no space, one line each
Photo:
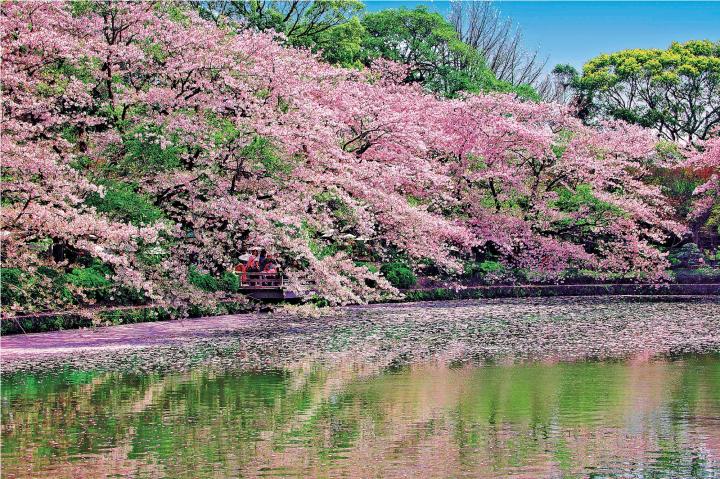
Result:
575,31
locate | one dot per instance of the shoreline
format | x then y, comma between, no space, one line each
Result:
556,290
529,329
135,314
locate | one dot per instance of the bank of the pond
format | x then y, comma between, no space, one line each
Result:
90,317
554,290
476,331
115,316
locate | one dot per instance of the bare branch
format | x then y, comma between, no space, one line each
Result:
480,25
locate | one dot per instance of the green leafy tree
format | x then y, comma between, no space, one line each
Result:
301,21
566,79
430,45
675,91
342,45
329,26
121,202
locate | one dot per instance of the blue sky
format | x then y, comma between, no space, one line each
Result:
575,31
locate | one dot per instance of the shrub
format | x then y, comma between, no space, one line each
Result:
203,281
687,256
399,275
11,280
483,268
372,267
230,282
31,291
266,157
93,280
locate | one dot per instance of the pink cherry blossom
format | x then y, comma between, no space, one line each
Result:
361,164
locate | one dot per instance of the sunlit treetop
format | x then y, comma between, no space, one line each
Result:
676,91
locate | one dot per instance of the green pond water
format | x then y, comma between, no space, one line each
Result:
617,419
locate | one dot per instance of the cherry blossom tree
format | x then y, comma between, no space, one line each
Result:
707,162
161,144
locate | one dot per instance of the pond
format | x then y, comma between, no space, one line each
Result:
633,418
571,387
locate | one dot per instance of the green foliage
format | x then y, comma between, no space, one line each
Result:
112,317
582,229
523,91
566,78
229,282
414,201
582,198
669,150
177,12
12,282
80,163
322,250
406,36
121,201
339,209
81,7
28,291
714,218
351,37
399,275
203,281
93,280
55,77
566,70
266,157
148,149
678,184
372,267
225,131
319,301
691,59
439,60
71,321
676,91
152,255
681,186
303,24
54,288
43,324
343,216
342,45
54,280
483,268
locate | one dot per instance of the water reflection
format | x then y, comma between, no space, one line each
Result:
651,419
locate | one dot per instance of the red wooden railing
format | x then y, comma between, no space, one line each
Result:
261,280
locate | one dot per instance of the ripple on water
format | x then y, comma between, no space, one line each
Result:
657,419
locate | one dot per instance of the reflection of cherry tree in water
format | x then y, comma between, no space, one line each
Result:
539,420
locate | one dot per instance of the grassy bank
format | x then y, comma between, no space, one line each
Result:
111,317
